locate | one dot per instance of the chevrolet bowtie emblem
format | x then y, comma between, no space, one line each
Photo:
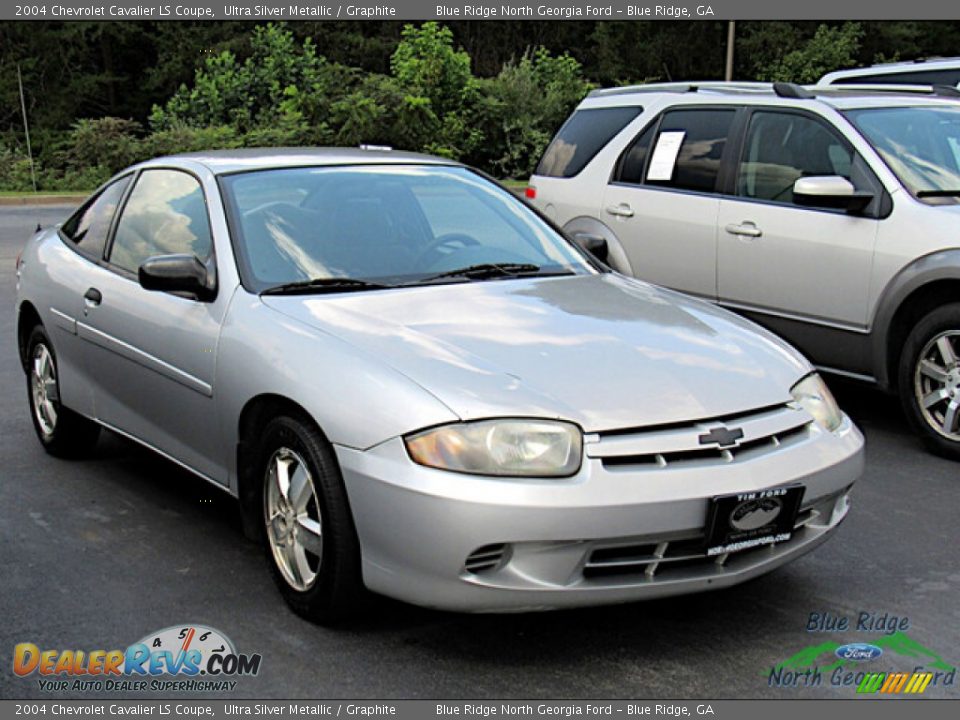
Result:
722,436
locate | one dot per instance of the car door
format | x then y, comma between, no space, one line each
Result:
152,354
70,268
662,200
796,268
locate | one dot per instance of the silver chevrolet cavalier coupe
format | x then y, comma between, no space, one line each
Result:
414,384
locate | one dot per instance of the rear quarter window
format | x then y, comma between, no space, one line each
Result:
584,134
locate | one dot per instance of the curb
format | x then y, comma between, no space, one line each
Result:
43,200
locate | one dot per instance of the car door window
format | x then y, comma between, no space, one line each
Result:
87,229
702,136
166,214
782,147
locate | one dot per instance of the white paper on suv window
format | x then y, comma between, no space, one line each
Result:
665,155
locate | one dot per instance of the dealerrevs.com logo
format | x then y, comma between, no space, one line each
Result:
187,657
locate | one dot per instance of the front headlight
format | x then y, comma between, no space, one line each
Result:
813,395
506,448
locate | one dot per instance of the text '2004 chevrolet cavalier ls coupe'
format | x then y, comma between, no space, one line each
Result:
416,385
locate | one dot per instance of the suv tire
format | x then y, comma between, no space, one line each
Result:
929,379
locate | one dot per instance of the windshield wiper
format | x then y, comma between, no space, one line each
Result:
938,193
493,270
323,285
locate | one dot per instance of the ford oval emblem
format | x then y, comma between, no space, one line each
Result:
753,514
858,652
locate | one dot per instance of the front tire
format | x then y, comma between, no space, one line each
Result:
308,532
929,380
62,432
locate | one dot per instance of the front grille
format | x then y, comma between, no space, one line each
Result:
486,558
763,431
662,559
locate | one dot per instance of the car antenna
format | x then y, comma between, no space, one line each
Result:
792,90
38,228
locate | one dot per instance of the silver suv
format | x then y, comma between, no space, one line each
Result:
828,215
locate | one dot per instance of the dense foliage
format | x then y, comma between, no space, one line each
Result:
103,95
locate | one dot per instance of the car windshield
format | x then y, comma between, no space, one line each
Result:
921,145
373,226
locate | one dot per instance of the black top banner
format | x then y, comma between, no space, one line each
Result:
276,10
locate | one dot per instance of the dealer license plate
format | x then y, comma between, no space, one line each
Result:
746,520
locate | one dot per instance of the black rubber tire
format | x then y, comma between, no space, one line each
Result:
73,436
946,317
338,593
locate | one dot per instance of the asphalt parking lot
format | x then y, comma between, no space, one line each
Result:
98,553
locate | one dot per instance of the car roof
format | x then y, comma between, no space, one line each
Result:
221,162
841,97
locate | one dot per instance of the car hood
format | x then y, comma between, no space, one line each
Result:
604,351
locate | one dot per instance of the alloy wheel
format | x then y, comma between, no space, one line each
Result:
937,384
43,387
293,521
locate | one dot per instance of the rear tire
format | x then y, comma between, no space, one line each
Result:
307,530
62,432
929,380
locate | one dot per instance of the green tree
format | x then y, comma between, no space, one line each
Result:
523,107
283,83
830,48
436,112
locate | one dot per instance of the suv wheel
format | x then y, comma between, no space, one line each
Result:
62,432
929,379
308,532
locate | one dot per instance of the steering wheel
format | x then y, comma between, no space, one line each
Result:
453,240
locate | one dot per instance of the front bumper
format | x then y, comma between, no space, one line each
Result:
606,535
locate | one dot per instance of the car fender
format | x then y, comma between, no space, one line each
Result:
937,266
584,227
264,352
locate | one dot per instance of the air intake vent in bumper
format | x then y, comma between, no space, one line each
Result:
483,559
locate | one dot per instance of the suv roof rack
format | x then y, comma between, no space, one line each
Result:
780,89
685,87
887,88
945,90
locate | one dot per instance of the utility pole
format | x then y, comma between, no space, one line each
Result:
26,128
731,30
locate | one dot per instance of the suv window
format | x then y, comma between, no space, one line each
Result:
88,227
782,147
582,137
702,136
166,214
634,160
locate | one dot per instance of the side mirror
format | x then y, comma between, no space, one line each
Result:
830,191
596,245
184,274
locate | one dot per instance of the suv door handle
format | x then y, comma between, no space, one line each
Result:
621,210
92,297
746,229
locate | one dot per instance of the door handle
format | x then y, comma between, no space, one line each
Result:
745,229
92,297
621,210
